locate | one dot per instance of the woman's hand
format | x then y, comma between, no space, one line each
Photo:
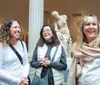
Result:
47,62
44,62
24,81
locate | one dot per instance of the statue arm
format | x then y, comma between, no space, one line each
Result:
55,26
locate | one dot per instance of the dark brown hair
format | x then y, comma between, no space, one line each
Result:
55,40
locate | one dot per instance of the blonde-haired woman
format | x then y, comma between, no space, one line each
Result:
86,54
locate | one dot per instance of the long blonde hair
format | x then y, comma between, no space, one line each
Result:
82,39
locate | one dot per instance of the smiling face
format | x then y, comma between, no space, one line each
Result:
90,29
15,30
47,33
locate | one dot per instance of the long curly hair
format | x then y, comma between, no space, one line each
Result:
5,31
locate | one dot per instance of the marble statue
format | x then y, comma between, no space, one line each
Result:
63,33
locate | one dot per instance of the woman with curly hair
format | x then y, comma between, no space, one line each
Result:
13,71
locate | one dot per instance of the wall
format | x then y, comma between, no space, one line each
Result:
69,7
17,9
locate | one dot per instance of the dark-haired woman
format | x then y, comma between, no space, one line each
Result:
49,57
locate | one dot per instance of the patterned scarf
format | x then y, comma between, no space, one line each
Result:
88,53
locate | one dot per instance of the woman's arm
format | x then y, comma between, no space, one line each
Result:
4,76
25,61
34,63
60,65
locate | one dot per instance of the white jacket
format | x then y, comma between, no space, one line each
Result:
57,75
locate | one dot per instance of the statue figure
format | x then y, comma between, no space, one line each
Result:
63,33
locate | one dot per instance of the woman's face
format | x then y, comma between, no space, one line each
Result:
15,30
90,29
47,33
